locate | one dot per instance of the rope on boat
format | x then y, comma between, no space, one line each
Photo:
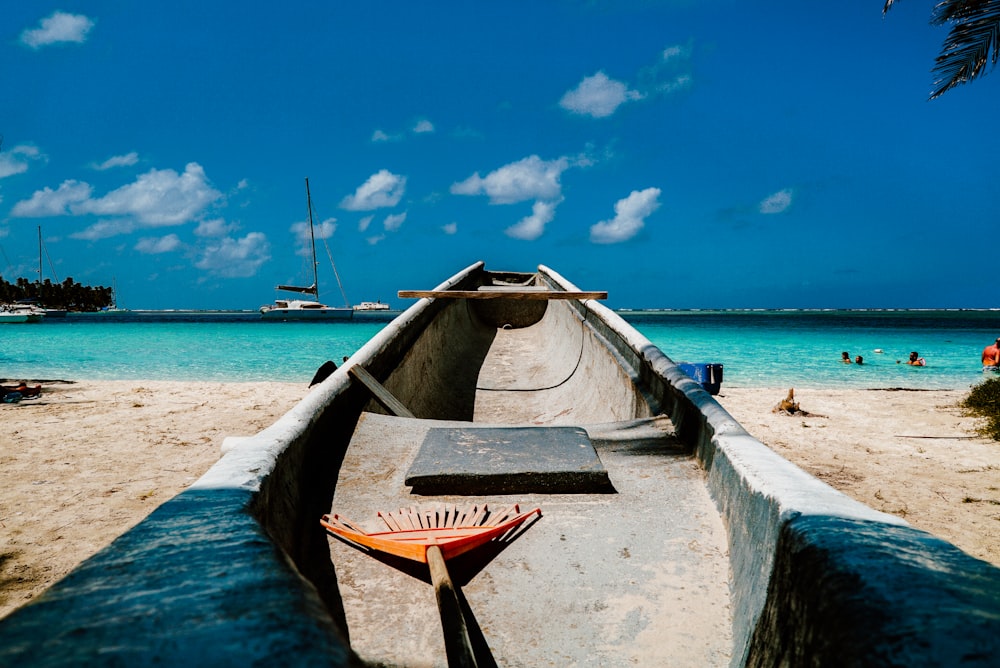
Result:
576,367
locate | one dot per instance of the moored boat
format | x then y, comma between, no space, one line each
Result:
666,534
9,317
304,309
48,311
20,312
371,306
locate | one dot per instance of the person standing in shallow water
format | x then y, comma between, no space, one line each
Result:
991,356
916,359
845,357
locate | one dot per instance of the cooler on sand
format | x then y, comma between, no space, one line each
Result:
709,375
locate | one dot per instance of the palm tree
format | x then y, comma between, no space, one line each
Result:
974,39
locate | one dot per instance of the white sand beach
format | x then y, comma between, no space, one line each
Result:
87,461
911,453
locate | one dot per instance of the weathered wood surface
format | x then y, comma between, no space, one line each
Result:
456,635
382,395
499,292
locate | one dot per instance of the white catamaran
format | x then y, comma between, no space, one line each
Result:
305,309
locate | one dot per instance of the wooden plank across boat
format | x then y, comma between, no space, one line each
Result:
502,292
670,535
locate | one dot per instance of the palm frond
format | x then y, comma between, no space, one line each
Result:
973,41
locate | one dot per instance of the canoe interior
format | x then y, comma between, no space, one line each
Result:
602,577
635,577
506,361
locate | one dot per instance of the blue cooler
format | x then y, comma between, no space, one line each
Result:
709,375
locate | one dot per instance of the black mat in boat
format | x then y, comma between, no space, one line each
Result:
507,460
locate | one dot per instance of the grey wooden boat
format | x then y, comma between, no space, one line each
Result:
667,536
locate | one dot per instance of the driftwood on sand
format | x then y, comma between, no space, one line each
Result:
788,406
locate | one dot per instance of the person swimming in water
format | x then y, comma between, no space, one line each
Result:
916,359
845,357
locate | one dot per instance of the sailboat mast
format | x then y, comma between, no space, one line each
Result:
312,242
39,254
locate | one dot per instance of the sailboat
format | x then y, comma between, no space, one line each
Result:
49,312
113,307
304,309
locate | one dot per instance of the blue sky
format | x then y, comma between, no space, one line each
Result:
676,154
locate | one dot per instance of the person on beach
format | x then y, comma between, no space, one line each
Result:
845,357
916,359
859,360
991,356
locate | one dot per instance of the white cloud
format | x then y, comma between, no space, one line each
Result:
375,239
104,229
15,161
778,202
235,258
676,52
157,245
9,165
680,82
323,230
393,222
450,228
217,227
380,136
48,202
530,178
364,223
126,160
58,28
670,74
422,126
382,189
158,197
531,227
598,96
630,217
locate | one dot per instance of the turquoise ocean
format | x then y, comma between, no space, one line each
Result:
798,348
